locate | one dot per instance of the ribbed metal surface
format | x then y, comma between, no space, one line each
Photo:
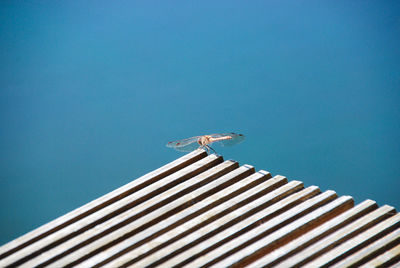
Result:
202,211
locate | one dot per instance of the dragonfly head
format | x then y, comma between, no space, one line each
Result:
204,140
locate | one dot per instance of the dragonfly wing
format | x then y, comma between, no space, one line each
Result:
187,148
185,145
236,138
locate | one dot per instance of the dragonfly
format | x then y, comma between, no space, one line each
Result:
203,142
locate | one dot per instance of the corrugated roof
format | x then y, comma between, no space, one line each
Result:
202,211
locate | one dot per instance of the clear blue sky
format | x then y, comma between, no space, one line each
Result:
91,91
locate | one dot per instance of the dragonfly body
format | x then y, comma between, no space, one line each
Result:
190,144
207,139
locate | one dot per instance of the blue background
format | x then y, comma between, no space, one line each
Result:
92,91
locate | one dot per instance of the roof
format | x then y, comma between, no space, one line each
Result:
200,210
